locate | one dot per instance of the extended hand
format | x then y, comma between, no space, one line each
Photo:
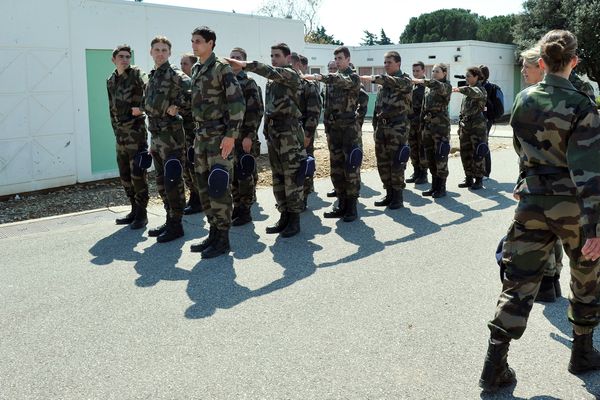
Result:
241,64
456,90
136,112
366,79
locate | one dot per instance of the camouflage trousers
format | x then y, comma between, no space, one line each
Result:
388,140
471,134
342,138
415,141
243,189
136,187
166,143
538,222
436,130
309,185
554,264
189,176
207,149
286,152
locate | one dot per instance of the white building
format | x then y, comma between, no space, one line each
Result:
54,62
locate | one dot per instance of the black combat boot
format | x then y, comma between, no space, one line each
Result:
219,246
332,193
350,213
496,372
385,200
293,226
281,224
467,183
434,187
243,217
126,220
193,205
140,220
174,231
414,176
159,229
478,184
584,357
397,200
337,211
557,289
441,188
200,247
422,178
547,293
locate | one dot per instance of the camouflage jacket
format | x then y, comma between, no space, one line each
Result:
582,86
310,106
343,91
437,96
556,126
363,105
281,101
186,111
167,86
473,103
418,95
124,92
217,97
254,106
394,98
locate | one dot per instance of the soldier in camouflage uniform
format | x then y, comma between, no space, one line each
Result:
244,186
472,129
556,135
415,135
390,119
344,138
193,205
218,110
332,69
284,134
125,90
164,96
310,107
436,128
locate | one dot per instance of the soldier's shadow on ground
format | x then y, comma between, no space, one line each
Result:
499,192
158,263
450,203
258,213
118,246
507,394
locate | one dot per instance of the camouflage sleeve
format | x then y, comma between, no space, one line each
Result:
363,105
341,81
472,91
588,90
141,80
284,76
254,110
403,83
583,148
236,104
182,90
436,86
313,109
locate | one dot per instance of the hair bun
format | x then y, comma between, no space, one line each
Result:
555,50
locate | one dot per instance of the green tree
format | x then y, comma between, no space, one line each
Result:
496,29
384,39
586,30
441,26
370,39
320,36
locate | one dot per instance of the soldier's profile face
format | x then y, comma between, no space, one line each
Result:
277,58
532,73
341,61
200,46
160,53
471,79
418,72
390,65
236,55
122,59
437,73
331,67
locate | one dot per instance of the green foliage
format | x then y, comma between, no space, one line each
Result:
320,36
370,39
440,26
587,16
384,38
496,29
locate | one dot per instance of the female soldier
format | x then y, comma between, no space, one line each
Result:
556,135
436,128
550,286
472,131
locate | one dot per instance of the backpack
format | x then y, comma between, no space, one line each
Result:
495,101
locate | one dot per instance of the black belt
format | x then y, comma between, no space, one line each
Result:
208,124
546,170
390,121
282,123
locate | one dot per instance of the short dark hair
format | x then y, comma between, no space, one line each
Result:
207,33
419,64
475,71
123,47
193,59
295,57
342,49
485,71
285,49
303,60
160,39
393,54
241,51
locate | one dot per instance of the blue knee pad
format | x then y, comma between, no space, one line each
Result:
173,173
481,150
218,181
354,159
401,156
441,151
307,169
